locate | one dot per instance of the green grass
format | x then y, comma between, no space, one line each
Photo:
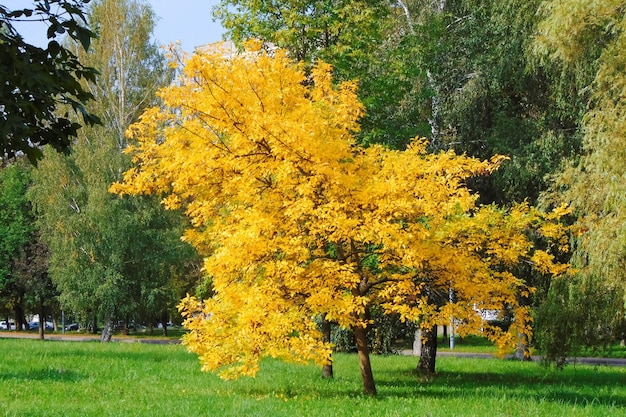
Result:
613,351
473,344
130,379
477,344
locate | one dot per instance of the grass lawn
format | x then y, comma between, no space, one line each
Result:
473,344
130,379
477,344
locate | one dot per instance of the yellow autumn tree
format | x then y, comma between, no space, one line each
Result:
296,221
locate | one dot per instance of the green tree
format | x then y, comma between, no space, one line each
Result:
492,98
33,110
309,29
111,257
30,269
16,228
586,39
364,40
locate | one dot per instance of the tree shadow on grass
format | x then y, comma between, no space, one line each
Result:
278,382
483,380
575,386
49,374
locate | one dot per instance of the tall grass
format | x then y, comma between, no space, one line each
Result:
130,379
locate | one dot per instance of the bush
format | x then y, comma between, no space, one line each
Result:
579,312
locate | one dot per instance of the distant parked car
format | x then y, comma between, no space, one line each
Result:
34,325
6,326
72,327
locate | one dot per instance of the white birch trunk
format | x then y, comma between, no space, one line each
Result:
417,343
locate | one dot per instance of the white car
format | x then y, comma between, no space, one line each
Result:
5,326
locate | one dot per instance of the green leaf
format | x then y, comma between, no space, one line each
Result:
83,36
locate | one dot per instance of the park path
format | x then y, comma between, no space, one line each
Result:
572,361
75,337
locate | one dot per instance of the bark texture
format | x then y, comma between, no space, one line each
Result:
428,356
327,370
522,351
107,331
360,334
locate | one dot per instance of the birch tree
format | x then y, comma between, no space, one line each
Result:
109,255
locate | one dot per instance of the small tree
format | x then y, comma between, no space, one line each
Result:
298,222
30,268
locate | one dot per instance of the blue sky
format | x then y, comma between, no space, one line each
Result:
187,21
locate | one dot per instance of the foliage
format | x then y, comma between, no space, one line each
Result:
32,112
297,221
563,327
145,380
30,269
15,223
24,282
363,40
16,234
595,30
455,70
307,28
461,65
492,99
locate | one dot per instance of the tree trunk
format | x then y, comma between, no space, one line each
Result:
94,328
327,370
360,334
417,342
107,331
20,319
426,364
42,318
164,321
522,351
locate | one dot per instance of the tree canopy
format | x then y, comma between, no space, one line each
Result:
16,231
588,38
367,41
